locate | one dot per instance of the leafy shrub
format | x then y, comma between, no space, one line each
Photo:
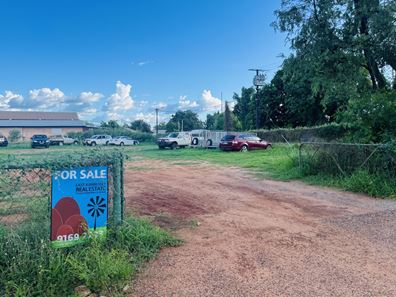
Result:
329,132
372,117
14,135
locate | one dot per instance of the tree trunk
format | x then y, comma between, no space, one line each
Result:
362,15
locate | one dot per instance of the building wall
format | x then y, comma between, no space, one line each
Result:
27,133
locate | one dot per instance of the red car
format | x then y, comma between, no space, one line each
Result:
243,143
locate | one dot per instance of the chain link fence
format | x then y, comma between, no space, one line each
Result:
347,158
25,185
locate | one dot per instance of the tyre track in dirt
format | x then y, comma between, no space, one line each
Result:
261,237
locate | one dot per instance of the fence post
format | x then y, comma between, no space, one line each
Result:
117,199
122,186
300,156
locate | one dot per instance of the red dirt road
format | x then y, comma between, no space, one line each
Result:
261,237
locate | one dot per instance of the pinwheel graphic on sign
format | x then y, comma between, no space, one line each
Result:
96,207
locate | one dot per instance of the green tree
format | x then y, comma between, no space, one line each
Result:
110,124
186,120
140,125
228,123
14,135
244,108
216,121
342,39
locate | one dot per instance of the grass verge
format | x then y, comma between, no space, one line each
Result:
280,162
29,266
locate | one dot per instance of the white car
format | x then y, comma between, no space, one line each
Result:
97,140
123,140
175,140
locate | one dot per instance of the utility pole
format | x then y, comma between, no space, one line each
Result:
221,104
156,120
258,81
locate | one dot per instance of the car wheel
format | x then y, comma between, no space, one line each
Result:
93,143
194,141
121,144
60,143
75,142
161,147
173,146
269,146
107,143
244,148
209,142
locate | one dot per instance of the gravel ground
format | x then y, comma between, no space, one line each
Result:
260,237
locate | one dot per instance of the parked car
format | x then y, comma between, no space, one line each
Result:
61,140
40,140
175,140
243,143
97,140
123,140
3,141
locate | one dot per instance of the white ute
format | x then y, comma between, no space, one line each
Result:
175,140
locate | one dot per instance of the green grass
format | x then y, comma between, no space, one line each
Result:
29,266
279,163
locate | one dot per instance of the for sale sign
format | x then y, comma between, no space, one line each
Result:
79,204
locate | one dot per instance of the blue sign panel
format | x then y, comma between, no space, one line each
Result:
79,204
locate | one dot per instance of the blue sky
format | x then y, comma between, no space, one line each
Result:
121,59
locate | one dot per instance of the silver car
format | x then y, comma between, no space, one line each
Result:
97,140
123,140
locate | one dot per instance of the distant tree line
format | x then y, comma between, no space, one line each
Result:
138,125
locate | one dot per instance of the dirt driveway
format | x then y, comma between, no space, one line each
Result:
257,237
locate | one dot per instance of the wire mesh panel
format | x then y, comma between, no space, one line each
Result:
25,186
345,159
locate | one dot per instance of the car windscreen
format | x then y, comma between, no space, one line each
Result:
229,137
40,136
173,135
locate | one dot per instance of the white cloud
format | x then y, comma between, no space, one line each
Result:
160,105
147,117
211,103
142,103
45,98
185,103
10,100
142,63
119,102
88,113
89,97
